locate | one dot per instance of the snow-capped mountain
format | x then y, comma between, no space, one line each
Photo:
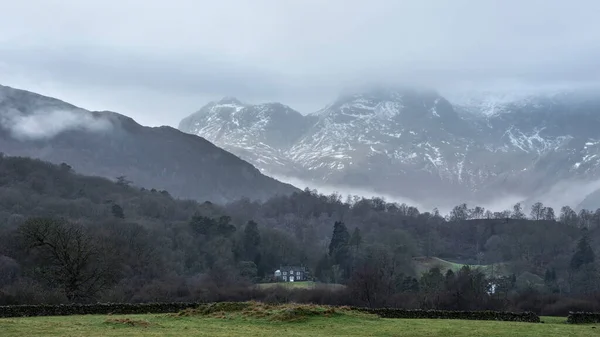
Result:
261,134
417,144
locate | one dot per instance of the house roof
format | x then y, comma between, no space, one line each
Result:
288,268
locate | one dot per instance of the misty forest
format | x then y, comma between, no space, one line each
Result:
67,237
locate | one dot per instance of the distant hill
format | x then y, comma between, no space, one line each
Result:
108,144
32,187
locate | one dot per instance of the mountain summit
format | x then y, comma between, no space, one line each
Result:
419,145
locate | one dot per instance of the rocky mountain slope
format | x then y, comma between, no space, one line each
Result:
108,144
419,145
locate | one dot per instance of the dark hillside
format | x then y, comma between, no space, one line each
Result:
110,145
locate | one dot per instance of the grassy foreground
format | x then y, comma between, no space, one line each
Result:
262,320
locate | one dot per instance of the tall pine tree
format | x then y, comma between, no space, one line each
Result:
339,245
251,242
583,253
356,239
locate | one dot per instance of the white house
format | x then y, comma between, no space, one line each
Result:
291,274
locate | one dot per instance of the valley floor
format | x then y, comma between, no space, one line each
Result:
169,325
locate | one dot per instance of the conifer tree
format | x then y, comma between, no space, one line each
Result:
583,253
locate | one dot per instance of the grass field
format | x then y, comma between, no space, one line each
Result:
299,285
424,264
279,323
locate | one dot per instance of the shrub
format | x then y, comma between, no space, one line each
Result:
583,317
443,314
92,309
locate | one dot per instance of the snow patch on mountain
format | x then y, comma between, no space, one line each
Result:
415,143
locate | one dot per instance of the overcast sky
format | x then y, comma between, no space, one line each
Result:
158,61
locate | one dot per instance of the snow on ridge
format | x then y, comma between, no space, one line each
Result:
362,133
234,106
534,142
491,103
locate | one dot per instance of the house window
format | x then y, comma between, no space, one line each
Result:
285,273
298,273
284,279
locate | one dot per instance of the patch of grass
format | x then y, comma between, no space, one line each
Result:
424,264
128,322
319,324
291,312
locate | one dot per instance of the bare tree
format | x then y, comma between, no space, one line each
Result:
585,218
568,216
477,213
549,214
459,213
68,256
376,277
517,212
537,211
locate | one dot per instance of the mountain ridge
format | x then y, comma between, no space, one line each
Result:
153,157
420,145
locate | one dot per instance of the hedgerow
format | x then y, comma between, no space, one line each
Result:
583,317
93,309
154,308
446,314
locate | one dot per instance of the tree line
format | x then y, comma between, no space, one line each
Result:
65,237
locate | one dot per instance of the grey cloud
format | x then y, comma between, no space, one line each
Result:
47,124
298,52
193,74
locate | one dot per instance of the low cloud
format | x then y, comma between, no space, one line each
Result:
49,123
564,193
349,190
288,51
570,192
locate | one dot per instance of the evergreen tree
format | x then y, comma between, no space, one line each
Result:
513,280
117,211
449,279
432,281
583,253
225,228
356,239
550,280
123,181
202,225
339,239
339,246
548,276
323,269
251,241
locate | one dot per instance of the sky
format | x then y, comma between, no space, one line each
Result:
158,61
